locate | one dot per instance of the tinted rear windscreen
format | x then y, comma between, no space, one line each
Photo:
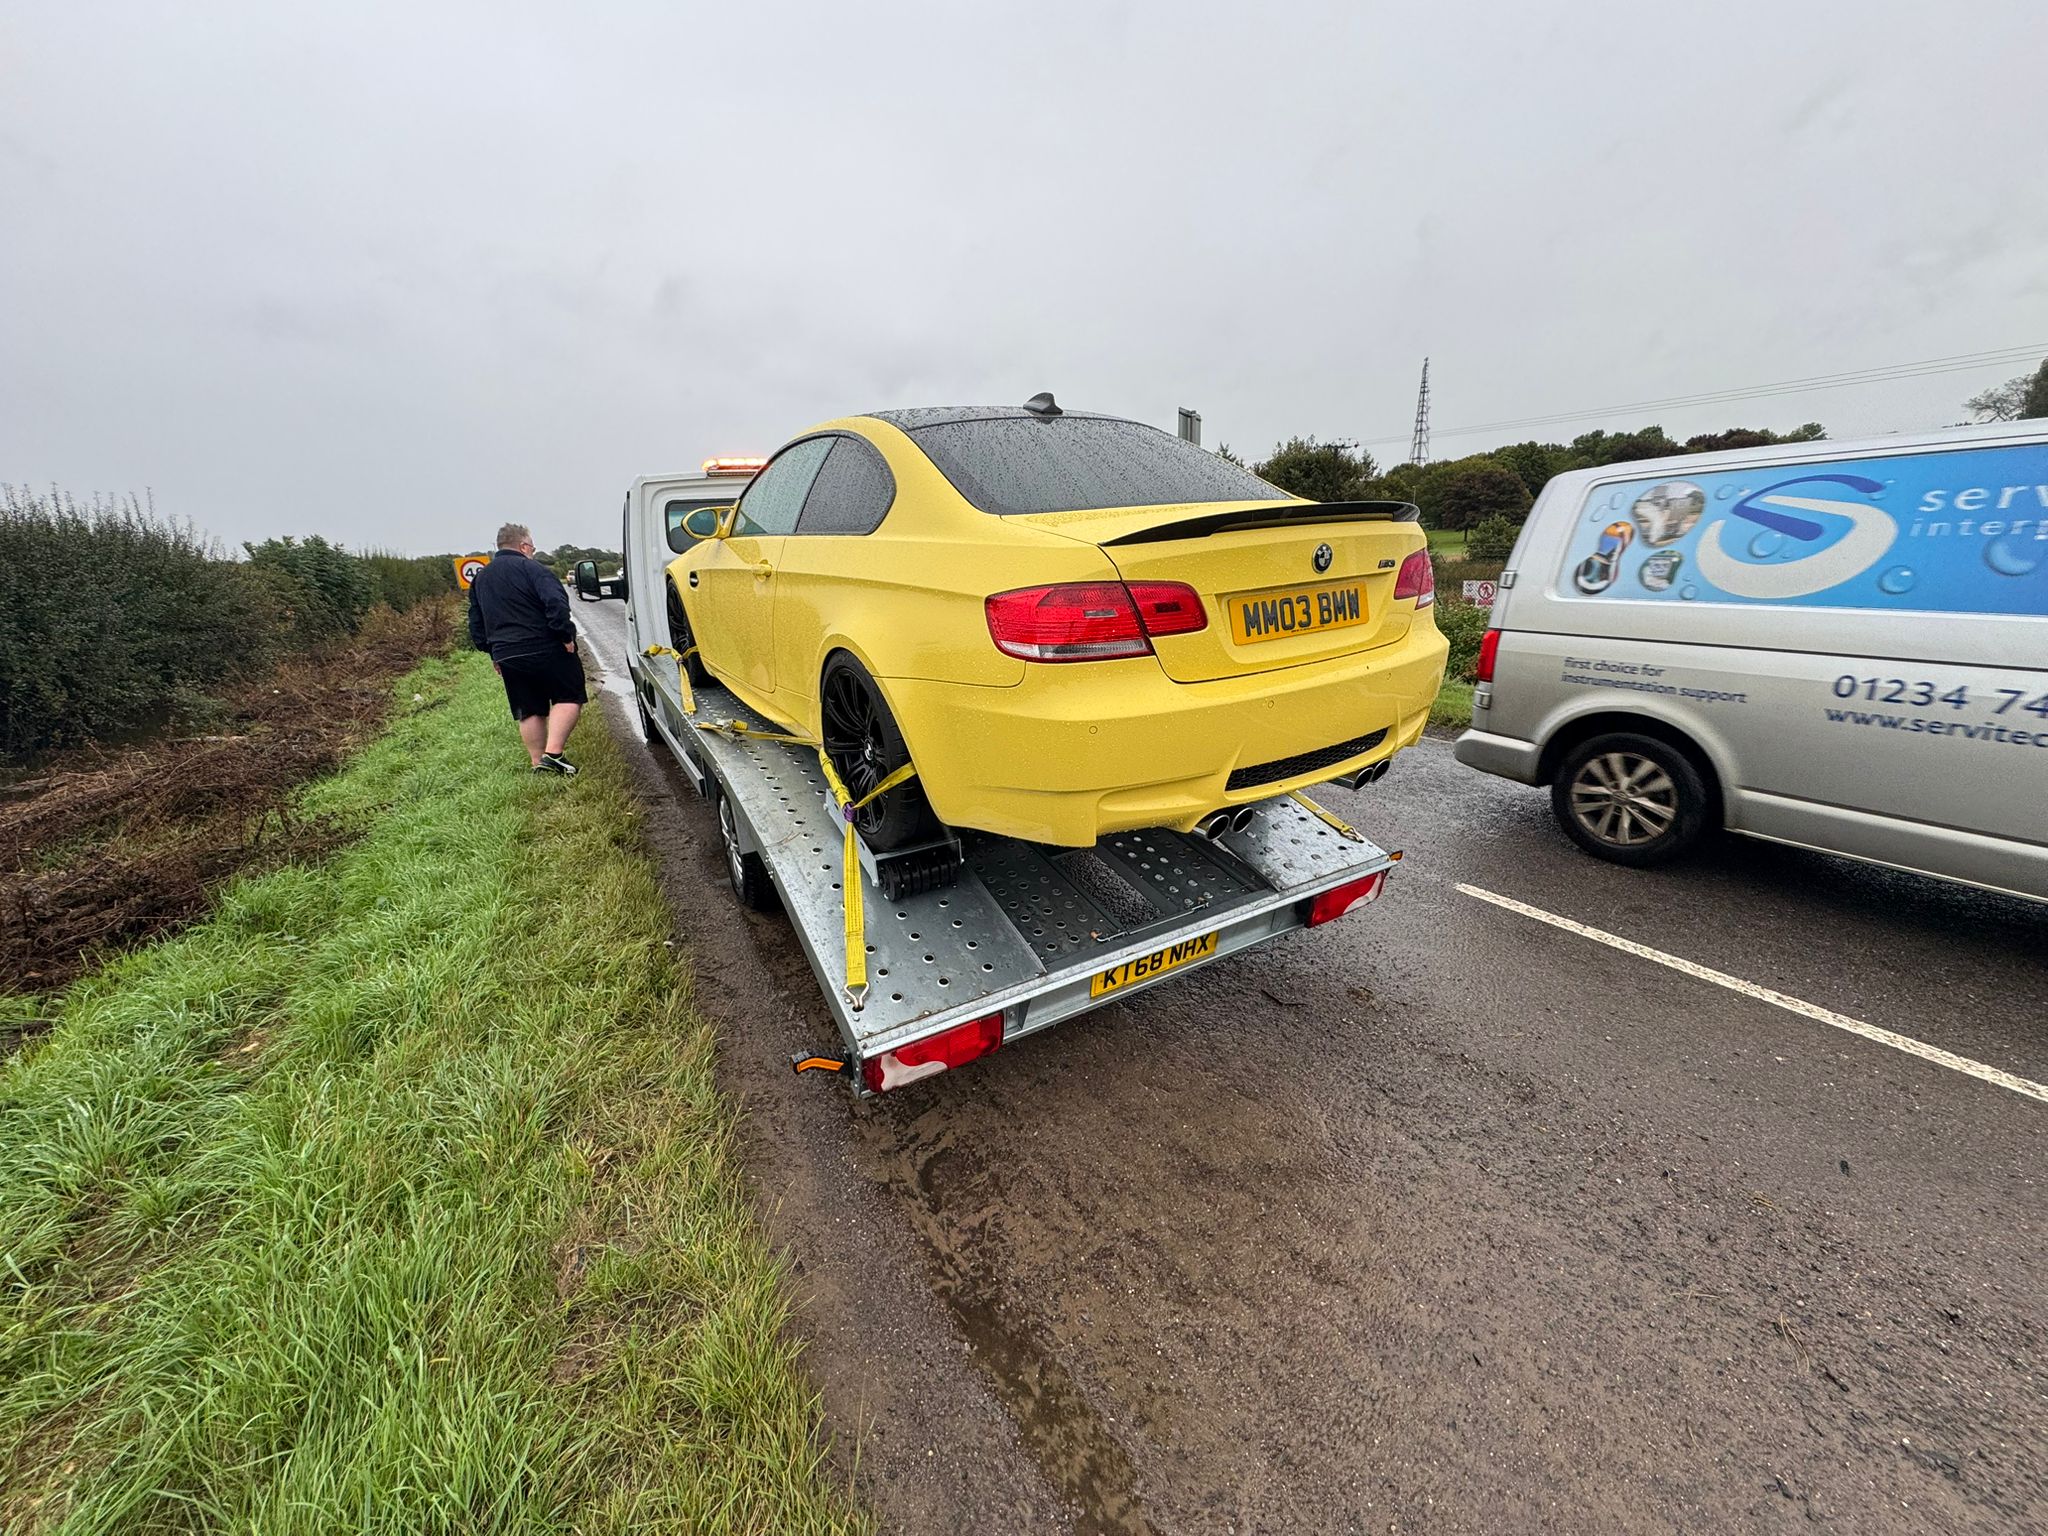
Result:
1010,465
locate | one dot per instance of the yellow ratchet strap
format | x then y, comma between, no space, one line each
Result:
850,879
682,672
1322,815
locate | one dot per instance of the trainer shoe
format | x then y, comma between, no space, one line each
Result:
554,762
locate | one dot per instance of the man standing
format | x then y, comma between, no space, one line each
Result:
520,614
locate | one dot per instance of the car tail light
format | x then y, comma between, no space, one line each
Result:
1339,899
1417,579
954,1047
1489,645
1168,607
1091,620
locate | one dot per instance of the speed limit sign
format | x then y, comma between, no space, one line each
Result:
466,567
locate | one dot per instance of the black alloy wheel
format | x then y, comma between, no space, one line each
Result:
865,747
681,638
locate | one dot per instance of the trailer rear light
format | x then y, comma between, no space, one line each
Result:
1489,646
954,1047
1339,899
1417,579
736,464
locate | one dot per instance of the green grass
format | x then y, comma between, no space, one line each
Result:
396,1196
1447,541
1452,710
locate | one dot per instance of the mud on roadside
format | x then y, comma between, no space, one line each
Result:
108,848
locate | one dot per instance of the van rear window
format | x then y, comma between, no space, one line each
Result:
1958,531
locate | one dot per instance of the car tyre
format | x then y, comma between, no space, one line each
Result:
682,637
865,746
748,874
1631,799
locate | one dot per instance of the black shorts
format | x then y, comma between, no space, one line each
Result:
535,683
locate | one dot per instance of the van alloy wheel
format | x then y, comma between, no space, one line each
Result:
1624,798
1634,798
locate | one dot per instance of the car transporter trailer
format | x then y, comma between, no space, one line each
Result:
975,941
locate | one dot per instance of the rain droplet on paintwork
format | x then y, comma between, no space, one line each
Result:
1896,580
1688,592
1766,544
2009,557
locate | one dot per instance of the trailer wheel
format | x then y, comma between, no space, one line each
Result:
861,738
749,875
1630,799
646,717
681,637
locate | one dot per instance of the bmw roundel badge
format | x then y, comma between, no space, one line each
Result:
1324,555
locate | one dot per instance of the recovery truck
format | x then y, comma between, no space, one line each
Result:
932,956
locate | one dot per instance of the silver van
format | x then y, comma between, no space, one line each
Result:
1843,646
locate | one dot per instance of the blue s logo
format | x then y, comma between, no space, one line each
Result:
1870,533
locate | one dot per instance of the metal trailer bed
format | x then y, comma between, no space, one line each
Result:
1040,934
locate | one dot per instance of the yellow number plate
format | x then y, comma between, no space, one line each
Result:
1295,611
1145,967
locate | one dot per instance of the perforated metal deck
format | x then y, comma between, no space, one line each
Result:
1026,927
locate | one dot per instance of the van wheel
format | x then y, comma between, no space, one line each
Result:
749,875
1631,799
861,738
680,636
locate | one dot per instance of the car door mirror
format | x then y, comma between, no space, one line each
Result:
699,524
587,584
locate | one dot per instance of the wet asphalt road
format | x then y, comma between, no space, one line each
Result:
1437,1218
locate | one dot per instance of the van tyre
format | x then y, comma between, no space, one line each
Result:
1631,799
748,874
682,638
861,738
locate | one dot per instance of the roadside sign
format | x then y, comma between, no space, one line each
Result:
466,567
1480,594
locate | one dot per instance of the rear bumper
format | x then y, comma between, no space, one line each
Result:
1507,756
1074,753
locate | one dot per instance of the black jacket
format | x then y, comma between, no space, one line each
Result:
517,608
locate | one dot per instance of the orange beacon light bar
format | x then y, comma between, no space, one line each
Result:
740,464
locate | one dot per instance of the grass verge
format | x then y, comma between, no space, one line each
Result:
1452,710
396,1195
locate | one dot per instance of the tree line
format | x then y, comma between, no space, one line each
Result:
1486,495
115,620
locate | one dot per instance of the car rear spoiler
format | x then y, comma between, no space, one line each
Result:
1286,514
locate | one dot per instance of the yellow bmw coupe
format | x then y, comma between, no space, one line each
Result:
1073,625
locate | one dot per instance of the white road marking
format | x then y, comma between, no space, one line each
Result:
1828,1016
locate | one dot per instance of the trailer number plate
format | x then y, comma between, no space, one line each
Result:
1145,967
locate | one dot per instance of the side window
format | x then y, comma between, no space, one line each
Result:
852,493
777,494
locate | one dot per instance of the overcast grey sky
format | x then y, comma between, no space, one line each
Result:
394,272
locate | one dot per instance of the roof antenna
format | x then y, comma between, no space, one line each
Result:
1043,404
